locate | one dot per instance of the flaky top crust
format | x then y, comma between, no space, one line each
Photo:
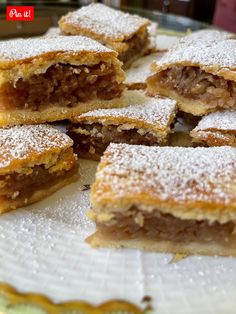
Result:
189,183
102,23
24,57
218,121
29,145
153,113
213,51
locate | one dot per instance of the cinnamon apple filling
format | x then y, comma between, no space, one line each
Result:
135,46
23,185
158,226
94,138
64,85
196,84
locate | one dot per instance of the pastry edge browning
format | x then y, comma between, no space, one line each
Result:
13,70
213,138
98,240
55,112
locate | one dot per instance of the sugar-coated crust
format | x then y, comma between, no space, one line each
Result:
213,138
153,113
189,183
29,145
212,51
54,112
21,58
216,129
192,106
99,240
224,121
6,206
102,23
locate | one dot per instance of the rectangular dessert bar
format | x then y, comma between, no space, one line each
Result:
125,33
198,72
35,161
166,199
216,129
49,79
145,120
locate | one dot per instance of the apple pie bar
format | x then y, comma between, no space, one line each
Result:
146,121
125,33
35,161
50,79
198,72
216,129
166,199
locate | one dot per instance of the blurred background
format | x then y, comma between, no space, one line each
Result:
170,14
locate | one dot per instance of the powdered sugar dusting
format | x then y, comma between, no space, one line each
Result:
152,110
220,120
20,142
169,173
208,48
17,49
105,21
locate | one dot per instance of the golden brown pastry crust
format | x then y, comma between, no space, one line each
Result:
53,113
21,58
154,114
99,240
216,129
29,145
111,27
35,161
209,50
102,23
189,183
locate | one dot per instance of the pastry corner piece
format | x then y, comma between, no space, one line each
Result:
125,33
198,72
144,120
216,129
35,161
166,199
51,79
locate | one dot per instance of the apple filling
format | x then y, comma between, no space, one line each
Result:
22,185
63,85
158,226
93,139
194,83
134,46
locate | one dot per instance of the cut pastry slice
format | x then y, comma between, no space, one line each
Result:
146,120
166,199
140,70
49,79
216,129
35,161
198,72
125,33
